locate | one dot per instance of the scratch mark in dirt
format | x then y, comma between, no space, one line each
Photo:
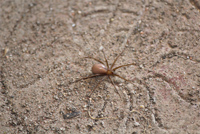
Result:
23,15
95,12
173,54
128,11
196,3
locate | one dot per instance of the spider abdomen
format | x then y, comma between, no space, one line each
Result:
99,69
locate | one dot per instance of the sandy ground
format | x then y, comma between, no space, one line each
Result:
43,45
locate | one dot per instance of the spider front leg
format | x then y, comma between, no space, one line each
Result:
105,59
123,66
94,59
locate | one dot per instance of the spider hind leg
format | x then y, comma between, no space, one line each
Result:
115,87
84,78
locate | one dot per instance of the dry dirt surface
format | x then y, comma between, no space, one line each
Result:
43,45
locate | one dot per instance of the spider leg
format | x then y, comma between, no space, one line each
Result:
117,58
105,59
125,42
123,66
96,86
94,59
114,86
90,56
121,77
87,77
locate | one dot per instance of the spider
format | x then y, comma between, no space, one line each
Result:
103,69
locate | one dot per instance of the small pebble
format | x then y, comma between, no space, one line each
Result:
137,124
142,106
79,12
101,48
73,25
5,51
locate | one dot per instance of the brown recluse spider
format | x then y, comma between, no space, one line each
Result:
101,69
